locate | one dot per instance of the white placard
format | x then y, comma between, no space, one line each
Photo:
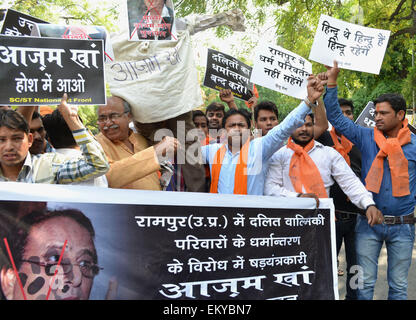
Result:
281,70
354,47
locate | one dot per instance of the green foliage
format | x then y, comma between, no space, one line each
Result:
88,114
294,23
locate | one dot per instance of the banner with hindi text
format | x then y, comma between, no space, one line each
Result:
281,70
18,24
183,249
354,47
38,71
225,72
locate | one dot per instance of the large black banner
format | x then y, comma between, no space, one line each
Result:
169,252
19,24
225,72
38,71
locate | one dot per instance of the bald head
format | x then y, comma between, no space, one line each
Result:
114,119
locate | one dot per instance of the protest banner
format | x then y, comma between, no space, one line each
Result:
281,70
76,32
19,24
164,75
367,117
38,71
151,20
354,47
183,249
225,72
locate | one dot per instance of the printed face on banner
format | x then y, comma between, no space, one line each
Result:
281,70
44,248
354,47
151,20
52,253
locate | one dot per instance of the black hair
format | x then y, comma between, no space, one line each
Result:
345,102
312,117
36,115
231,112
265,105
198,113
58,130
13,120
215,106
396,101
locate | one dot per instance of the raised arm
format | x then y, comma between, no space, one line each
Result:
321,122
343,125
93,162
27,112
276,137
227,96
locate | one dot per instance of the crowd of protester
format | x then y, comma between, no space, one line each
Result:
370,173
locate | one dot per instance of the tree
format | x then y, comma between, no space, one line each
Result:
295,24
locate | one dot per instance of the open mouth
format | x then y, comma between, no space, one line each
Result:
10,157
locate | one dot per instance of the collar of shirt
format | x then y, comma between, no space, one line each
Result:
25,174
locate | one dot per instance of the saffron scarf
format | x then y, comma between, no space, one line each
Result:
240,176
392,149
303,171
343,147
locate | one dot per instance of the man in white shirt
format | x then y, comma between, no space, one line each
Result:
306,168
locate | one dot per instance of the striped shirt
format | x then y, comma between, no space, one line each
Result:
55,168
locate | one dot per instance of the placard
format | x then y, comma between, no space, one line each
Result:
76,32
151,20
19,24
354,47
38,71
225,72
281,70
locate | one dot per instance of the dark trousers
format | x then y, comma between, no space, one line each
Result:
345,231
193,169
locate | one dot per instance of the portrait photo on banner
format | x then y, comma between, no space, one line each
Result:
151,20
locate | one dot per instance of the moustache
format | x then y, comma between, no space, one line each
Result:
114,126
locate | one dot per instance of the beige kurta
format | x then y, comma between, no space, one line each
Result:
131,170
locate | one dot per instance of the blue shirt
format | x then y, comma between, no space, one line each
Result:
259,153
363,138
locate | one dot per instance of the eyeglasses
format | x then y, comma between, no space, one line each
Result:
88,269
111,116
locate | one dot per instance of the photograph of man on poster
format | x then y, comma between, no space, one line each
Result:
54,254
151,20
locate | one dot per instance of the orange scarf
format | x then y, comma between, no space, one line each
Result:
303,171
344,147
240,176
392,149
